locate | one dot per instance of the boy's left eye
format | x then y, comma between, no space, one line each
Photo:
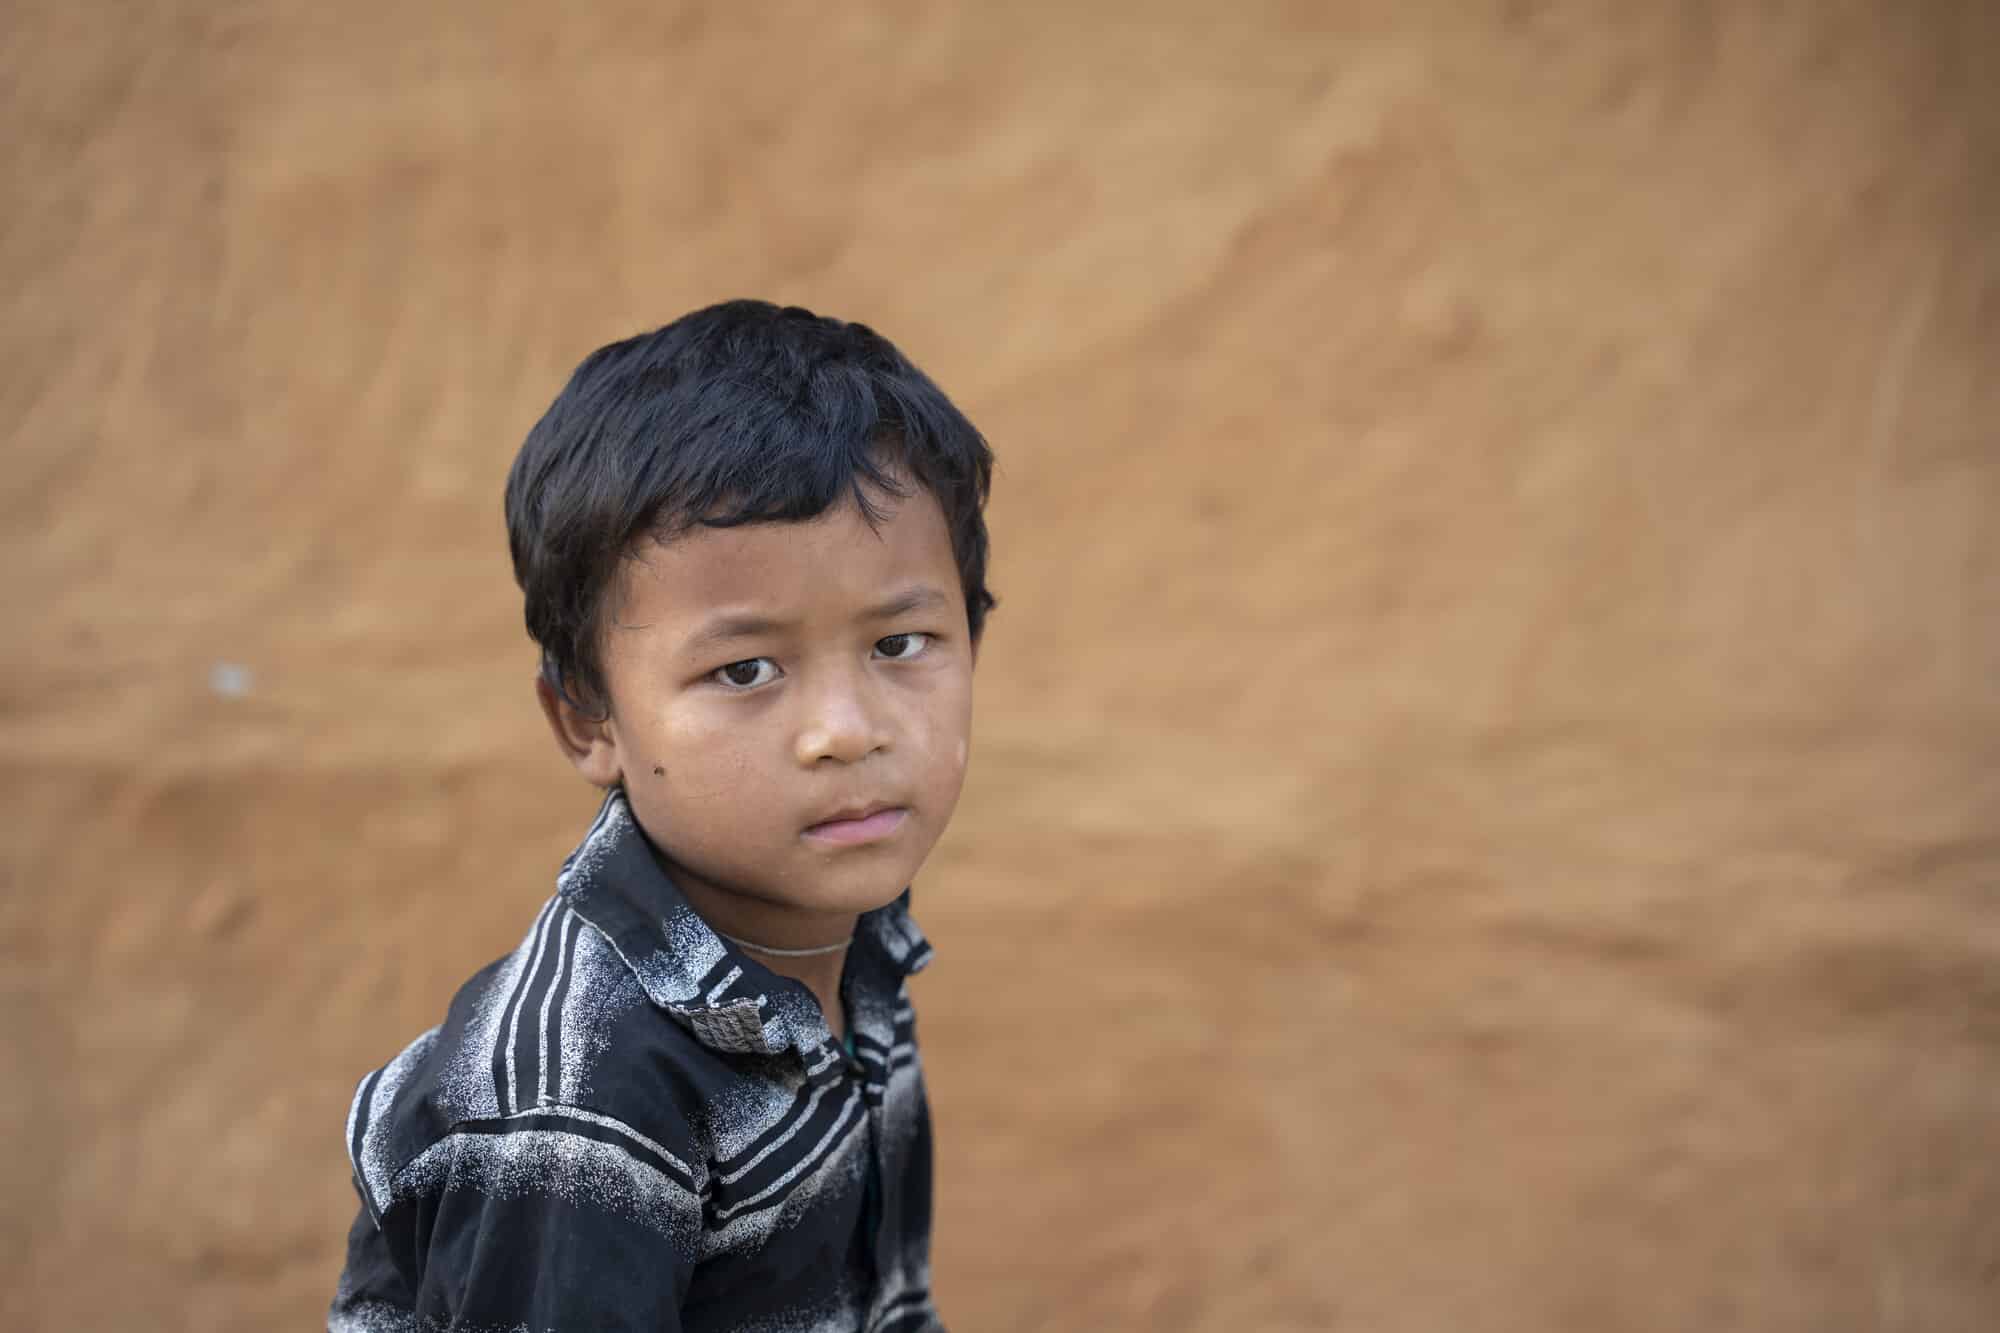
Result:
902,647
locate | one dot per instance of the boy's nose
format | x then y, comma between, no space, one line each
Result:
841,726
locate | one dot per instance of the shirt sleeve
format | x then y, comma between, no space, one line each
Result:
557,1222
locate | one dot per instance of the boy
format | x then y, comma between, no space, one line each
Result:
753,553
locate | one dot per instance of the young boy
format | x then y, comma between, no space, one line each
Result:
754,556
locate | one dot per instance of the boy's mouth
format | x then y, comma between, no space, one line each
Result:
864,823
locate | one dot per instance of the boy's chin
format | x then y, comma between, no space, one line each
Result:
843,891
854,880
844,898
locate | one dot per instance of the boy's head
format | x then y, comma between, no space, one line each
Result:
754,554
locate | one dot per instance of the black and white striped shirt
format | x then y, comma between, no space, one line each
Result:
628,1124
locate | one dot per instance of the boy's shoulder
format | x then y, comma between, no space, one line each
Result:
557,1037
620,1028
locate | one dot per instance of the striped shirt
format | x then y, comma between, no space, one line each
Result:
628,1124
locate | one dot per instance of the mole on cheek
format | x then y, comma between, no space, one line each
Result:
659,770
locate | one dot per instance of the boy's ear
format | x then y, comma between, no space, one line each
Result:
585,741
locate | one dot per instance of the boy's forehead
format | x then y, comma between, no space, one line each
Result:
793,566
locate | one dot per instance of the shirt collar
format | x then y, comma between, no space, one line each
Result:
728,1000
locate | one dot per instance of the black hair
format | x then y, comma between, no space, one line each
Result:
739,413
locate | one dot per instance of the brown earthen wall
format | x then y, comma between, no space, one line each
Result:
1486,803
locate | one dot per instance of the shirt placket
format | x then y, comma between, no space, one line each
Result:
873,1214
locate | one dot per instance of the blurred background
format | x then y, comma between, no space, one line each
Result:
1486,803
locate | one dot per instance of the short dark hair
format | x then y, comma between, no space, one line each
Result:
739,413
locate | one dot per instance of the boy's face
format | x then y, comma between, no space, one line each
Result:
791,705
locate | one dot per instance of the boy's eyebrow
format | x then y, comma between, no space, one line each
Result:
922,597
723,629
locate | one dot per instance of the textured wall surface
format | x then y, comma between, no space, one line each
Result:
1486,809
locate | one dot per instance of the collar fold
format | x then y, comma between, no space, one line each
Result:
726,999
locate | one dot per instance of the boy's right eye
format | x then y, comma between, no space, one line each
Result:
747,674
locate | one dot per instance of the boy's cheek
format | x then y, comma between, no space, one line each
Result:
704,786
690,739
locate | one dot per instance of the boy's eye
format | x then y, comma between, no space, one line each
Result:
902,647
747,674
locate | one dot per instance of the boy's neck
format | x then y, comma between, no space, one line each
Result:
789,943
787,940
821,974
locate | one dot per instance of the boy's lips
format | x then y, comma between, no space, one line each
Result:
868,823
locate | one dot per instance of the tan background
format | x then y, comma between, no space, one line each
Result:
1486,811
